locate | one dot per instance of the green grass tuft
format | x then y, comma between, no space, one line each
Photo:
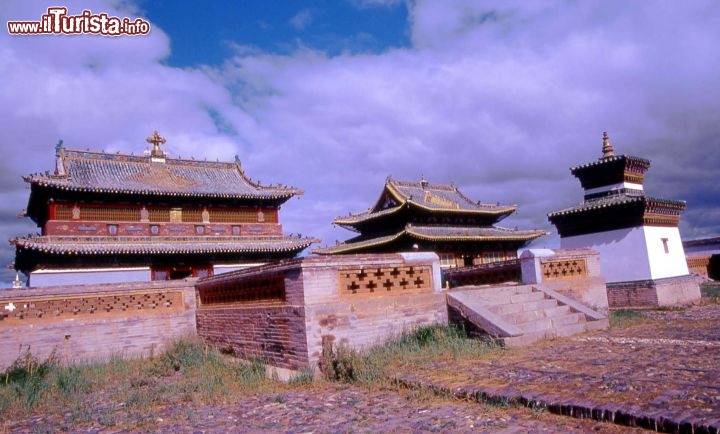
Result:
625,317
370,367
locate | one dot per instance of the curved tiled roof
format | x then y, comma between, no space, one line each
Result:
445,197
461,233
642,162
90,245
436,233
366,215
430,197
119,173
618,200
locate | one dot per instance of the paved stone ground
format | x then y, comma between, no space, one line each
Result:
320,409
662,374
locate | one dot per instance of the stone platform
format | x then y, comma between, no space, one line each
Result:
662,373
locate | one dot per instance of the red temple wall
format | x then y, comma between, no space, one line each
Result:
96,228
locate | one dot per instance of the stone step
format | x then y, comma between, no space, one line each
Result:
506,297
598,324
570,329
533,314
525,339
524,315
548,324
570,318
510,308
495,289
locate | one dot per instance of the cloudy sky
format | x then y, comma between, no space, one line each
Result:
499,97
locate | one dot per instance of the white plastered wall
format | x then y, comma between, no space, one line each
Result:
666,253
635,253
41,278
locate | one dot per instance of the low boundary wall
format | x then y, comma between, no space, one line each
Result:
286,313
95,322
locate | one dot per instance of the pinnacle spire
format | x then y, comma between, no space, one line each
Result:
607,148
156,139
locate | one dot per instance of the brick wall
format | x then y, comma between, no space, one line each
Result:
261,314
574,273
94,322
671,291
352,300
699,264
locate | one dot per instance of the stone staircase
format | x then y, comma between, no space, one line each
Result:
521,315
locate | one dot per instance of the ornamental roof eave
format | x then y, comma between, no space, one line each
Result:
351,220
614,201
472,234
433,233
93,245
355,219
643,162
100,172
268,195
447,194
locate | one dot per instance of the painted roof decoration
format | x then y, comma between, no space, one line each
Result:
433,198
619,200
436,233
155,174
614,197
79,245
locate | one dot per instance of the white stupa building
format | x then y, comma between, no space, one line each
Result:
641,253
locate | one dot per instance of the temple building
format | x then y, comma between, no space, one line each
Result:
115,218
637,236
419,216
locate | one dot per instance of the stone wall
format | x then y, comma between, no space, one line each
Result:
339,315
285,313
95,322
671,291
574,273
256,313
699,264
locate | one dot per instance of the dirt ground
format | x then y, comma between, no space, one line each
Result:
665,363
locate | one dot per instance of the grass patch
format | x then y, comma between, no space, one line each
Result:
710,292
187,371
625,317
414,348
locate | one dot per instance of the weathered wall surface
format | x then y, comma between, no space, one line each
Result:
360,300
284,313
575,273
94,322
256,313
672,291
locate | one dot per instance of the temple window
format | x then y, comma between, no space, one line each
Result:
665,245
176,215
447,260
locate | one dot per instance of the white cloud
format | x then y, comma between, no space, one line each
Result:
302,19
500,98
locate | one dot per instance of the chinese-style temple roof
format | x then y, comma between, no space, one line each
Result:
610,168
100,172
620,200
437,233
93,245
434,198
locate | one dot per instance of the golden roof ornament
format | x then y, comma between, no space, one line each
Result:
156,139
607,148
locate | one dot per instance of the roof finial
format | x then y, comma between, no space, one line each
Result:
423,181
607,148
156,139
59,166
